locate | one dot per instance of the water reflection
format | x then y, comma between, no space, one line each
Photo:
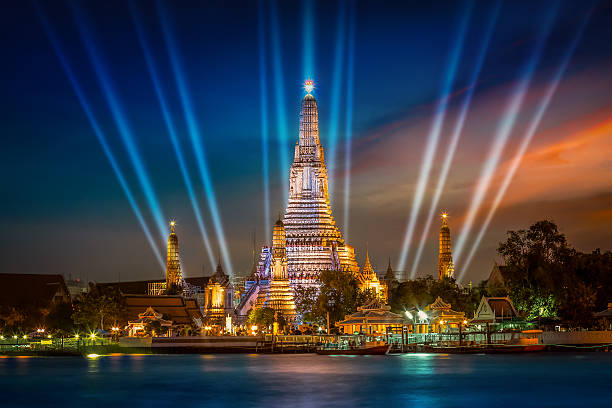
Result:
423,380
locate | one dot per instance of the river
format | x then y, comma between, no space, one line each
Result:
305,380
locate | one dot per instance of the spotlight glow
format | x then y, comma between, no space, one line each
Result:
151,66
349,120
263,95
503,132
99,134
452,146
309,86
434,135
113,101
516,161
194,135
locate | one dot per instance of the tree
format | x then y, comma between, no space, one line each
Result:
305,298
265,317
59,318
103,306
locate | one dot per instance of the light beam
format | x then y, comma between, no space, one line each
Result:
263,96
76,87
308,41
112,99
434,135
194,134
349,118
516,161
334,114
281,113
456,135
153,73
503,132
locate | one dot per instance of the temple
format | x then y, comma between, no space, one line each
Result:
313,241
368,280
218,297
277,294
446,268
173,264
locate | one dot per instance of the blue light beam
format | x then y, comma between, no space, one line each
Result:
99,133
334,114
153,73
194,134
113,101
456,135
308,40
503,132
434,135
350,79
516,161
263,97
279,88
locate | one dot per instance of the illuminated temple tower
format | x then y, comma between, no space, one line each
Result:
446,269
314,242
368,280
173,264
279,295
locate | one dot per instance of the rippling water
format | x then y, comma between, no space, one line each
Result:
421,380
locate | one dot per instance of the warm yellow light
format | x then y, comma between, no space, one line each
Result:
172,223
25,337
444,215
49,336
92,335
1,337
465,322
441,321
254,328
76,336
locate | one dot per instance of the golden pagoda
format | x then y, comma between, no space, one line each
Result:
173,263
279,295
368,280
446,268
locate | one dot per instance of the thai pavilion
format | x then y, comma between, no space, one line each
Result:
373,318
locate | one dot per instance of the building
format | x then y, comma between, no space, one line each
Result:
494,310
218,297
279,295
184,314
446,268
605,316
139,327
495,283
32,291
173,263
373,318
368,280
314,242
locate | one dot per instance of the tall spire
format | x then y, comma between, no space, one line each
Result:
446,269
173,263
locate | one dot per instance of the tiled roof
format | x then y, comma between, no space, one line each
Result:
20,289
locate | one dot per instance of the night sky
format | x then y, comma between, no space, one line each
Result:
63,209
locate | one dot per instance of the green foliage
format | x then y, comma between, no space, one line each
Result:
547,278
265,317
103,306
339,295
424,291
59,319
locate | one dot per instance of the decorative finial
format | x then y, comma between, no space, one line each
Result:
172,224
309,86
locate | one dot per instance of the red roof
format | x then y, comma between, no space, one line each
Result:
25,289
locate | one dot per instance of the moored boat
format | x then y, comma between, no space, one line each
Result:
354,351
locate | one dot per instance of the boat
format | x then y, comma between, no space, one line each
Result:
354,351
354,346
